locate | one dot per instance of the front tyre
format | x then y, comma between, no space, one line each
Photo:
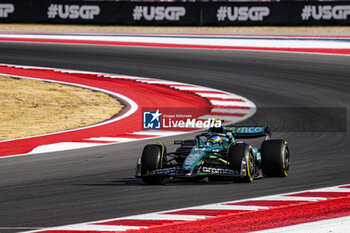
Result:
275,158
152,159
241,158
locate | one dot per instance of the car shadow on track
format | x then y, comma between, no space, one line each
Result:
168,182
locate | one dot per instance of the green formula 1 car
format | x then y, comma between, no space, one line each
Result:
220,153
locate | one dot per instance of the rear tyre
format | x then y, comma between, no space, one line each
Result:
241,154
275,158
152,159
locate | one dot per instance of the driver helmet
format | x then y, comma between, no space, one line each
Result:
214,140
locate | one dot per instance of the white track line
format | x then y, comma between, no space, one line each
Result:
228,103
164,215
98,228
229,207
222,96
113,139
335,225
61,146
254,42
286,198
193,88
160,216
162,82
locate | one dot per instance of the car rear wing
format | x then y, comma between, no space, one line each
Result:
241,132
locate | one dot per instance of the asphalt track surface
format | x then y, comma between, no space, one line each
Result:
98,183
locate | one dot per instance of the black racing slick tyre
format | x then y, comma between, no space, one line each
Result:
151,159
275,158
241,157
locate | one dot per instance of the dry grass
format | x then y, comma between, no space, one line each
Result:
32,107
311,30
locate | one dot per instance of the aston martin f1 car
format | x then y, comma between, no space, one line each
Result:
218,153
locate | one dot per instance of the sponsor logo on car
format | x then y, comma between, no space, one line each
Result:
164,171
250,130
242,13
159,13
325,12
61,11
6,9
218,171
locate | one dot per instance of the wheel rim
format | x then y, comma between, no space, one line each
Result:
250,166
285,161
